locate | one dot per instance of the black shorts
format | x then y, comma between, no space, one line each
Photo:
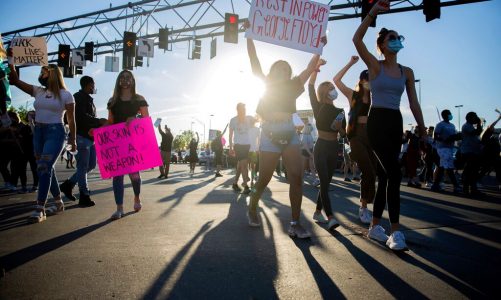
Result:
241,151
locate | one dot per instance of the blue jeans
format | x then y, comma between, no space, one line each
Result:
48,142
86,162
118,186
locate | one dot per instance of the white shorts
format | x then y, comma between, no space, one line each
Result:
446,158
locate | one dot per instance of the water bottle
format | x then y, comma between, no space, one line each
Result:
68,148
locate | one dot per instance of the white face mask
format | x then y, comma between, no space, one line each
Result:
333,94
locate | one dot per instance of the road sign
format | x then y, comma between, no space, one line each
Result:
78,58
145,47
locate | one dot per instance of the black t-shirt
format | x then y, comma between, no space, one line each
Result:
280,97
122,110
325,114
166,144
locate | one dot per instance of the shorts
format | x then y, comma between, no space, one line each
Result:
253,157
241,151
446,158
265,143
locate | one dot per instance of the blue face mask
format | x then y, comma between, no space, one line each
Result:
395,45
450,117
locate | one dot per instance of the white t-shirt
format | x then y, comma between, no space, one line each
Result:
241,130
254,139
49,109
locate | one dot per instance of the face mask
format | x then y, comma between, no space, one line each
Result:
395,46
43,81
450,117
366,86
333,94
94,91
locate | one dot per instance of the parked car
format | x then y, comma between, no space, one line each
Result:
173,158
203,157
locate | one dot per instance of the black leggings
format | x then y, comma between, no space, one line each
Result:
325,158
385,129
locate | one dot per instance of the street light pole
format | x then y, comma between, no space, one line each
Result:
459,116
419,98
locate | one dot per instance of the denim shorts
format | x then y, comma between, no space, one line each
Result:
265,143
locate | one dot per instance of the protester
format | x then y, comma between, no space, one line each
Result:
193,158
22,143
307,145
388,79
240,146
412,160
217,148
471,148
361,150
348,164
426,174
253,152
86,120
51,101
491,156
445,135
278,135
165,151
124,106
330,122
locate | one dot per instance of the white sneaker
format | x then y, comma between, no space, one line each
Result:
333,224
365,215
396,241
117,215
317,216
377,233
296,230
37,216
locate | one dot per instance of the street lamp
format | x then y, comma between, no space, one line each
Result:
459,115
419,98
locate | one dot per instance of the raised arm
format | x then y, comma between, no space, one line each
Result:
313,76
312,65
347,92
413,101
251,50
369,59
14,80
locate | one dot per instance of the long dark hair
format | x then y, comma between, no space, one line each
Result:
117,92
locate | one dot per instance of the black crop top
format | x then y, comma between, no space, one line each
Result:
122,110
325,114
280,97
362,109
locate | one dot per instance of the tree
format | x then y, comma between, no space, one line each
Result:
182,140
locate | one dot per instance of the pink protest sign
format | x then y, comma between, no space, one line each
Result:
123,149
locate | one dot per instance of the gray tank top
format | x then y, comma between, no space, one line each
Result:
387,91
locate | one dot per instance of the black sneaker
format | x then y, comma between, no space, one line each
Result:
66,188
246,190
85,201
160,177
236,188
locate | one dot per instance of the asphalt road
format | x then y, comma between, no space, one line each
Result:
192,241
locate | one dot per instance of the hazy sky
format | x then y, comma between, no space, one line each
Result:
456,58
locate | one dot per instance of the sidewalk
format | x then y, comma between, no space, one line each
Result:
192,241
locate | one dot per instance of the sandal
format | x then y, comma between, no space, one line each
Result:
55,209
137,206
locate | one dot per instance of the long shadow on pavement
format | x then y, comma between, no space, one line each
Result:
233,261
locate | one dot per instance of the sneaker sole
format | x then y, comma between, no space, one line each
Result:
36,220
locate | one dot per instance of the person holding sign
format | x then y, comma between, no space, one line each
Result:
51,101
124,106
388,80
330,122
165,150
278,135
361,150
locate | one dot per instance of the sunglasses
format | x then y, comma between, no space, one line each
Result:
393,37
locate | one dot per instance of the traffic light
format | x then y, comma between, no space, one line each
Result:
213,48
130,43
231,28
431,9
163,38
366,8
197,50
63,56
89,51
68,71
138,61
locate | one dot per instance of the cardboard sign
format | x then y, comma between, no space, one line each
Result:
29,51
145,47
124,149
78,58
296,24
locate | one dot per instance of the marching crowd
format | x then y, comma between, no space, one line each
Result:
371,135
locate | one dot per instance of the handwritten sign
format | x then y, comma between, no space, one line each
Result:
296,24
29,51
123,149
